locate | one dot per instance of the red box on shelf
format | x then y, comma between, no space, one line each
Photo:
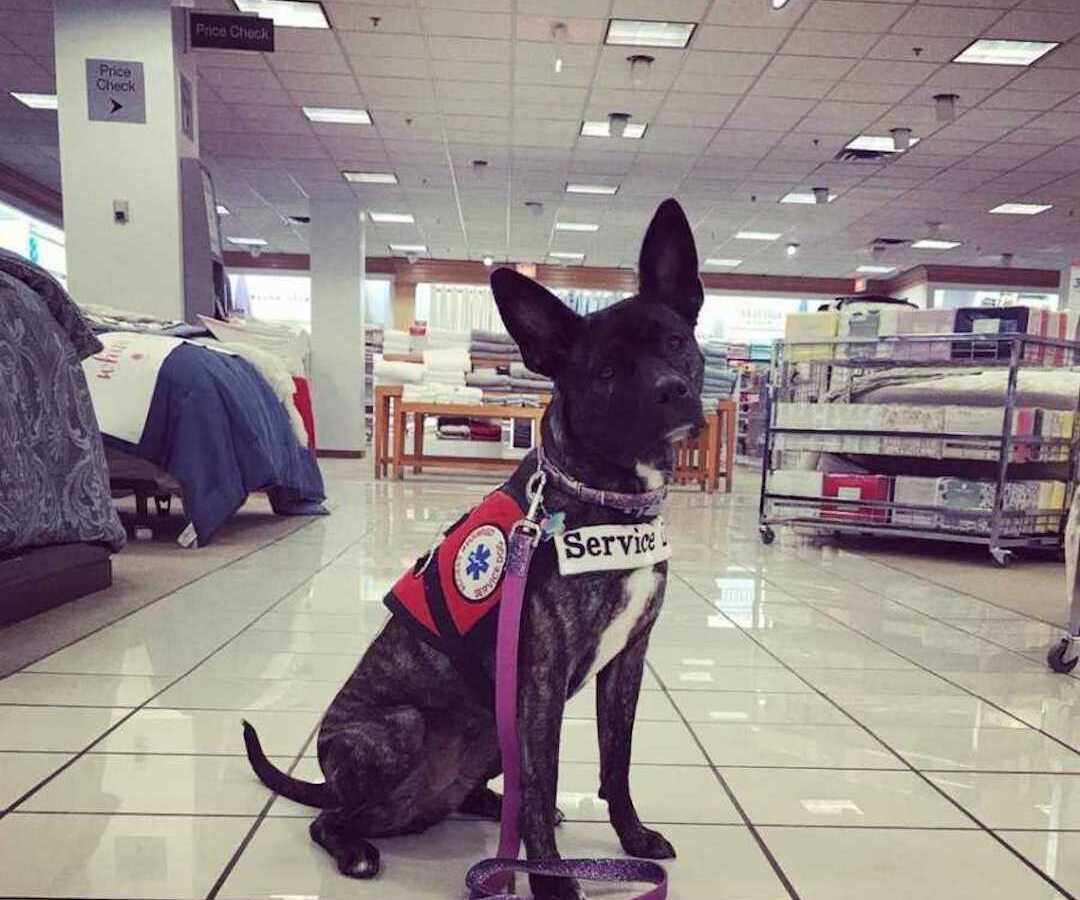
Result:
857,487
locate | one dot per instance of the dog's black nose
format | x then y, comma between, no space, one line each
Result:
669,388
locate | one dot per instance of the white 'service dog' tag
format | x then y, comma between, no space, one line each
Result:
606,548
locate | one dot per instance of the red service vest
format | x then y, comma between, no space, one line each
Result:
463,580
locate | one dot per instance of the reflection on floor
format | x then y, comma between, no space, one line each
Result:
816,724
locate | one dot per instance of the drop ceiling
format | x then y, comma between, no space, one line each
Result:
755,108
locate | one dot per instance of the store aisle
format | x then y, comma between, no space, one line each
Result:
816,724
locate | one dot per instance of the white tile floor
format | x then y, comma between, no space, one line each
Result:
815,725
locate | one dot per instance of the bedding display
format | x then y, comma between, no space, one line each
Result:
54,485
209,419
908,408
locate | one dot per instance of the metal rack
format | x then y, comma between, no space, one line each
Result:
809,371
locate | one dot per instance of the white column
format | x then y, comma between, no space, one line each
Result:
337,324
138,265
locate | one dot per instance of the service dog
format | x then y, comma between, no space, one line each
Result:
411,737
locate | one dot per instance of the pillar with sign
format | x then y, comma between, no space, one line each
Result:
127,115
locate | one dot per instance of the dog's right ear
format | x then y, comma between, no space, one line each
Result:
543,326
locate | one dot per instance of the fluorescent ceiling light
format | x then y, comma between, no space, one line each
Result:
576,226
371,177
607,189
723,263
223,210
1021,209
777,4
634,130
876,270
800,197
757,235
392,218
247,242
990,52
934,244
640,33
36,101
880,143
287,13
566,254
334,116
409,248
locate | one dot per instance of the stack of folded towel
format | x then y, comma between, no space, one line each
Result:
720,381
373,346
437,339
396,372
522,379
396,342
446,365
441,393
490,380
494,345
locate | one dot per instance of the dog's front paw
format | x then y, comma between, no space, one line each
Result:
647,844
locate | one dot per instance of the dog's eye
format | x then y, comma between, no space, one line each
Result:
676,342
607,372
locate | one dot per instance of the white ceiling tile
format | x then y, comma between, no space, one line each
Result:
399,46
836,15
818,67
946,21
473,49
769,113
757,40
930,49
670,10
1031,25
332,63
1046,78
723,65
869,93
578,31
307,81
806,42
1030,100
751,14
593,9
873,71
351,16
457,23
795,88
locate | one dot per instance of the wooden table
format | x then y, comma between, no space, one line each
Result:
421,410
704,458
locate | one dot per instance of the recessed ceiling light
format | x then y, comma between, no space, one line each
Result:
876,270
607,189
1021,209
757,235
371,177
247,242
392,218
778,4
934,244
723,263
287,13
634,130
408,248
566,254
801,197
991,52
36,101
880,143
335,116
489,261
576,226
223,210
641,33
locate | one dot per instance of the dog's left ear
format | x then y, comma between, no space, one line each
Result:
668,265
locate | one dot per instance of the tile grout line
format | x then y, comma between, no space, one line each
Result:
219,883
773,862
919,665
132,712
918,773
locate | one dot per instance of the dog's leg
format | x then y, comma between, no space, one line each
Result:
617,689
355,856
542,699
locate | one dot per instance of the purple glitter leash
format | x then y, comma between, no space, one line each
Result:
492,879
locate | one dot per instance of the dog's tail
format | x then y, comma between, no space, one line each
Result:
306,792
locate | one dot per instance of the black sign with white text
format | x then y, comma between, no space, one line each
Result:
231,32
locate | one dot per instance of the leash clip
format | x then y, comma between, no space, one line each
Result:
534,490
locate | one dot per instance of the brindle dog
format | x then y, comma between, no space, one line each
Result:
408,740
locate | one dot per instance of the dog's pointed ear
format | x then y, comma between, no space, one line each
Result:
543,326
668,265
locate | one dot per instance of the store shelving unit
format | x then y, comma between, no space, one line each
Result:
806,372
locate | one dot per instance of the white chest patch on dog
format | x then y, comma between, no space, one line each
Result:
608,548
639,586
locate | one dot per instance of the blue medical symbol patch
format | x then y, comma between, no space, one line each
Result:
479,563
